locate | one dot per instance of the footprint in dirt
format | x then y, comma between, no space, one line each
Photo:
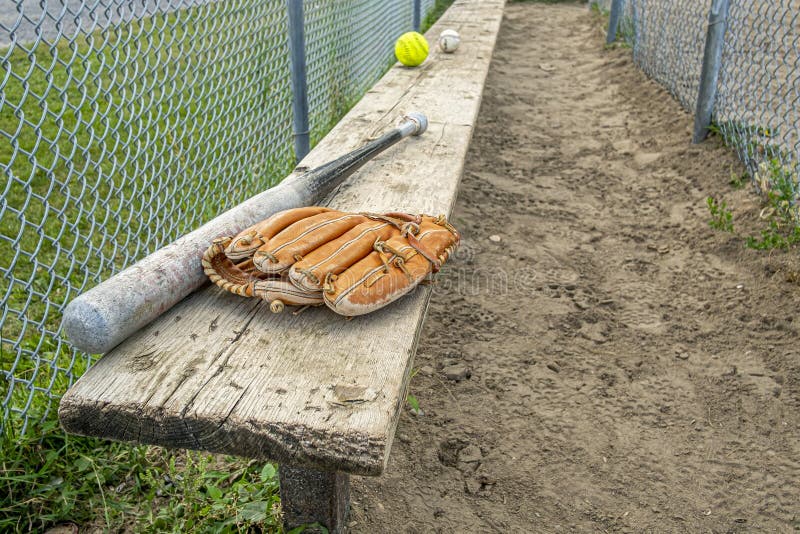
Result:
638,303
449,450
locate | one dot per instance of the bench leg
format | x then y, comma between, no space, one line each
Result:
310,496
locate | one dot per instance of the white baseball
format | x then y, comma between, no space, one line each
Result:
449,41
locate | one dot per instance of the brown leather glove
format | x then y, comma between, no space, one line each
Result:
354,263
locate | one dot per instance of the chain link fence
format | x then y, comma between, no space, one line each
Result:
757,109
124,124
344,60
758,90
673,58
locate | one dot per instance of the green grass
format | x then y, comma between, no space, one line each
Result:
54,478
439,7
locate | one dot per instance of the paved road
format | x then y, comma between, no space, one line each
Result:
26,19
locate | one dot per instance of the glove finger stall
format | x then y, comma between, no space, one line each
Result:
337,255
390,272
250,239
300,238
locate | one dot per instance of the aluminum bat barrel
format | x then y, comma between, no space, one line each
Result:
100,319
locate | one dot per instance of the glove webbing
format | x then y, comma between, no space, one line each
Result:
409,229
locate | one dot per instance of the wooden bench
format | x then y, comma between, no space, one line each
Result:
317,393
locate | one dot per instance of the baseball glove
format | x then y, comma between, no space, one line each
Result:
354,263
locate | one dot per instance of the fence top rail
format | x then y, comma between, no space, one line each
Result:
222,373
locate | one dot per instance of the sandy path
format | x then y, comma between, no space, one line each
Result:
631,370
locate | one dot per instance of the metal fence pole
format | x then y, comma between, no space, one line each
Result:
712,59
613,20
417,14
297,49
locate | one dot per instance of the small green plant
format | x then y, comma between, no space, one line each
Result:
414,403
778,183
599,10
774,237
738,181
721,215
775,180
750,140
412,400
627,32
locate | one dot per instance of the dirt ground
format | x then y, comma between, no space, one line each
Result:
631,369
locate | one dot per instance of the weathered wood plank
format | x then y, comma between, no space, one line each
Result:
222,373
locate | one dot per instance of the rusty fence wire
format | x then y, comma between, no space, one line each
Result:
757,95
126,123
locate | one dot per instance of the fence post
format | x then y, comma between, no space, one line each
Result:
613,20
297,51
712,59
417,14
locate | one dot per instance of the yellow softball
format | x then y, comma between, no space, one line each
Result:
411,49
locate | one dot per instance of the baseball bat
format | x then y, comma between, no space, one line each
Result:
100,319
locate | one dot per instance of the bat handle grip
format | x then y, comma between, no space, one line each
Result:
414,123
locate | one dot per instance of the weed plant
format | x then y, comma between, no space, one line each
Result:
775,180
